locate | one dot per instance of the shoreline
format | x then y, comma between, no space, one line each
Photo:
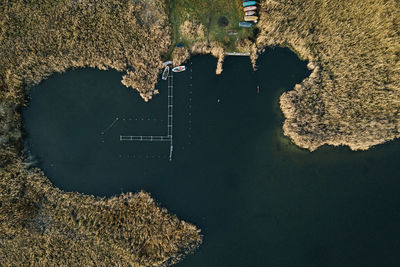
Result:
71,226
347,100
351,98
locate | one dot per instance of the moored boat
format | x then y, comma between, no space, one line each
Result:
250,18
165,73
250,13
249,8
249,3
179,69
245,24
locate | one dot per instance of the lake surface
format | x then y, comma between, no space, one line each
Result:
259,200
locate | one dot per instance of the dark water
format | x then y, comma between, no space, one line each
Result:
259,200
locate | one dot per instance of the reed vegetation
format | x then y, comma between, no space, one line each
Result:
42,37
353,47
41,225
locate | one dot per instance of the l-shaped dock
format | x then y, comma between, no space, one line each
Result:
170,114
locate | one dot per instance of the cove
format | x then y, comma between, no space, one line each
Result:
259,200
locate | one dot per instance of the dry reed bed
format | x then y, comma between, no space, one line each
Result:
353,94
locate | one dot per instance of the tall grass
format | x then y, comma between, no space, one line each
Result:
353,94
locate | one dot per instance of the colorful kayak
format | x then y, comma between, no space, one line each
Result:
179,69
165,73
249,3
245,24
250,18
250,13
249,8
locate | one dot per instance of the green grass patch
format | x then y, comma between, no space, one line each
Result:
208,12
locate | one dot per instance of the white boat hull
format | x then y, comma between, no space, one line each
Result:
179,69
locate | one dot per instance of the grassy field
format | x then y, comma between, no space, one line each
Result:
208,12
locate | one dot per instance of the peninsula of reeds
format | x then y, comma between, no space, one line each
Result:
352,97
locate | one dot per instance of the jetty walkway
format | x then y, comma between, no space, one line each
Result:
159,138
237,54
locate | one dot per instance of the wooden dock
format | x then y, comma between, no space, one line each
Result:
170,114
237,54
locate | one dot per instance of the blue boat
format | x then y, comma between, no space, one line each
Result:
245,24
249,3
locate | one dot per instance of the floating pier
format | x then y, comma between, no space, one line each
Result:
237,54
159,138
145,138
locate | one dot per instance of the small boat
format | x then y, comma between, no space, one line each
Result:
179,69
250,13
166,63
249,3
165,73
249,8
245,24
250,18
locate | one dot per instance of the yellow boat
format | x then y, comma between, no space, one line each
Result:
250,18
